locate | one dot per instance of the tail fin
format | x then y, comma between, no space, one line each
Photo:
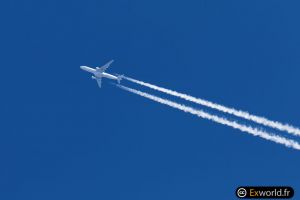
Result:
120,77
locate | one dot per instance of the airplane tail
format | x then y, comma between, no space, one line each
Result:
120,77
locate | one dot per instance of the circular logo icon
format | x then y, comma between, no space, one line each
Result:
241,192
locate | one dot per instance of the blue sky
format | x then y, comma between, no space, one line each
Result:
64,138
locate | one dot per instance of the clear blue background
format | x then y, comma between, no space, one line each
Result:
61,137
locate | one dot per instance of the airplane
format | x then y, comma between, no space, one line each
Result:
99,73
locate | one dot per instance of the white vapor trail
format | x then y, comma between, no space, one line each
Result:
217,119
260,120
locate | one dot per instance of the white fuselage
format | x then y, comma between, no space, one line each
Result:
98,74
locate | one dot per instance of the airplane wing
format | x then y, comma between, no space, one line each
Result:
104,67
99,80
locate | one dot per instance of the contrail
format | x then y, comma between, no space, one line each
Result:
220,120
260,120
